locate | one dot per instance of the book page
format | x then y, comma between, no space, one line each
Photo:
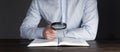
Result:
43,42
72,42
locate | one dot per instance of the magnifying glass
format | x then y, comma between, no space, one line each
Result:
58,25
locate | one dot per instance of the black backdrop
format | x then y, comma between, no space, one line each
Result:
109,19
12,12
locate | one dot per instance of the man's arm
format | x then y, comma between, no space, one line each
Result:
88,28
29,27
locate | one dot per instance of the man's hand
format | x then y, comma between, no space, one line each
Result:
49,33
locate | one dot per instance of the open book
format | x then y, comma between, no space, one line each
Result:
58,42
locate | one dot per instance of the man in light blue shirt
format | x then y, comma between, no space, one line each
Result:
81,17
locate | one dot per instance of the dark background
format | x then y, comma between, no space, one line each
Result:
12,13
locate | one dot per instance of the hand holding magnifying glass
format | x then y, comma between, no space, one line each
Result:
51,30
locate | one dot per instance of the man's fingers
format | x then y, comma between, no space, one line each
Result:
49,37
53,31
49,33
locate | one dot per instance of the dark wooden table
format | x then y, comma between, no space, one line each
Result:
19,45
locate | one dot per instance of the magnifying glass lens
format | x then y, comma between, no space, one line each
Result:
58,25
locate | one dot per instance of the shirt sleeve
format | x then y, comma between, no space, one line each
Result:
29,28
89,25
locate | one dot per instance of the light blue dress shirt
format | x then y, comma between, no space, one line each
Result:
81,17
